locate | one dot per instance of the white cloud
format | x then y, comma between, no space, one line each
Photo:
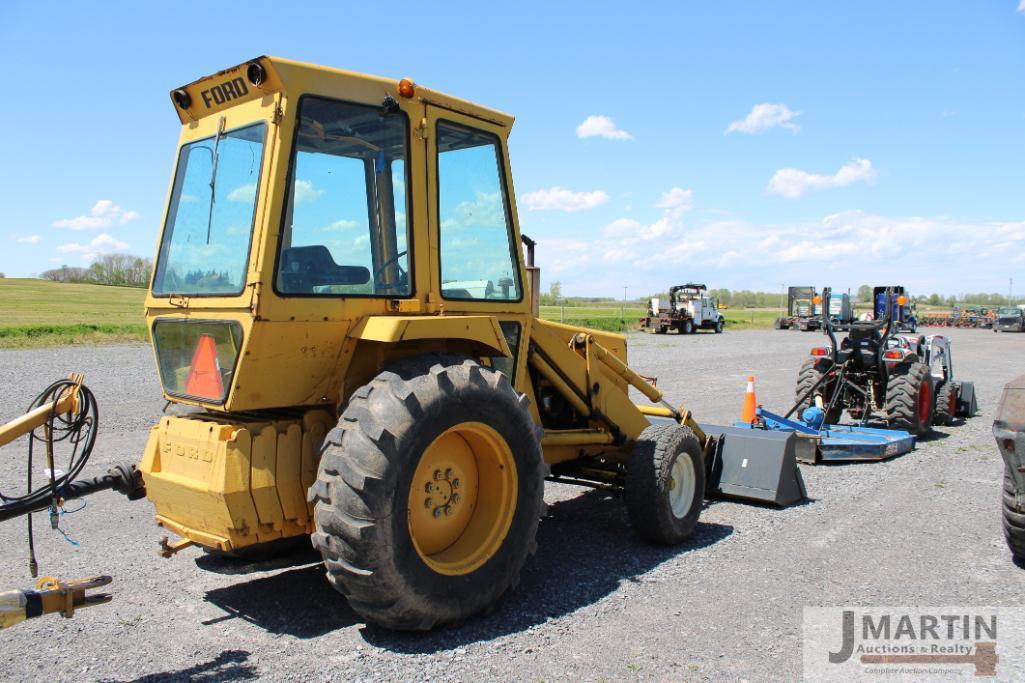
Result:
764,117
304,191
101,244
631,233
841,250
677,200
339,225
245,194
104,214
793,182
1021,6
602,127
563,200
29,239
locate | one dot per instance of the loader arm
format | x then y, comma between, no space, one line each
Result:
594,378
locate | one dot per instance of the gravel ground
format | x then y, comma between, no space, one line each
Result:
593,604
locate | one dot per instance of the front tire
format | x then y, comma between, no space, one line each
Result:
429,493
688,327
909,404
946,405
1014,521
718,326
665,484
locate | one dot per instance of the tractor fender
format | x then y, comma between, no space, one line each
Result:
482,331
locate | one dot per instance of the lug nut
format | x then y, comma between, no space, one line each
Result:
437,474
448,510
427,503
455,483
437,512
448,473
428,487
455,498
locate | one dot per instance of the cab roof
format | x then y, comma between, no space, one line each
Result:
265,75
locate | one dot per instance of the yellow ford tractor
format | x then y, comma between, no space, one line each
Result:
341,308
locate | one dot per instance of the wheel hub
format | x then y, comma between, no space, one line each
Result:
442,492
462,498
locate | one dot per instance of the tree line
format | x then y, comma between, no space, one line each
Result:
745,298
109,269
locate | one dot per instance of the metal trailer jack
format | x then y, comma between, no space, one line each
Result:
836,443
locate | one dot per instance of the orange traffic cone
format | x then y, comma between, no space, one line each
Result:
750,402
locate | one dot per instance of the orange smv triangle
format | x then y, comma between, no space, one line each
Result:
205,372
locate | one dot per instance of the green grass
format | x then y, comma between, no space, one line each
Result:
610,319
36,313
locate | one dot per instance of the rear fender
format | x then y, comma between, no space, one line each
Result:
481,332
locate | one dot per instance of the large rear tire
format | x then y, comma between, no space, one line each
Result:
909,402
429,493
665,484
1014,521
688,327
811,371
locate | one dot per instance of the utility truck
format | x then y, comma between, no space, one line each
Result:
802,313
688,309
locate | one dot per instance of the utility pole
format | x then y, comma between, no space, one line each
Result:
1010,288
622,308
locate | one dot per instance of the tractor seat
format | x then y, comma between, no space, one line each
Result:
304,268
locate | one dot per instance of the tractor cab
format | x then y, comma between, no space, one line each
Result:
307,201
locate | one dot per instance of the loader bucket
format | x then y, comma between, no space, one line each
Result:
757,465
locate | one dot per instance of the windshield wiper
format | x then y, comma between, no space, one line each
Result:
213,176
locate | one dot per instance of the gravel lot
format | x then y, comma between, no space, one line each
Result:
594,603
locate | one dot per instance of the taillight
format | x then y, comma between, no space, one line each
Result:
197,359
894,354
820,351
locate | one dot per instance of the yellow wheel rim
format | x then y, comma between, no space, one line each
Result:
462,498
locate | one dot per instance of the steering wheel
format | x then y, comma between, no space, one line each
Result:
402,274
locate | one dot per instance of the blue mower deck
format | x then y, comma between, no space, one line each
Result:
840,443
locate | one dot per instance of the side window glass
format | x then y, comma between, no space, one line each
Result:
477,255
345,227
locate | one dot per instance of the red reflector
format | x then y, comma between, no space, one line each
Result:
893,354
205,372
820,351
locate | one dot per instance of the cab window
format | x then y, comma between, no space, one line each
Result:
477,255
345,222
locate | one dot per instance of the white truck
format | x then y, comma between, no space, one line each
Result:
688,309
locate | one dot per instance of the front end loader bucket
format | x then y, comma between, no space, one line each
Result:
757,465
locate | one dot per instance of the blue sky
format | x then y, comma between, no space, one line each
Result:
889,146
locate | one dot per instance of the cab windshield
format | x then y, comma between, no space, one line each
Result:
205,246
1009,311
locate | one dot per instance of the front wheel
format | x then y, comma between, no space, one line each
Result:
688,327
429,493
946,405
1014,519
665,484
718,326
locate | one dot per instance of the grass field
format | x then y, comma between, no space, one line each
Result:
36,313
612,319
42,313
